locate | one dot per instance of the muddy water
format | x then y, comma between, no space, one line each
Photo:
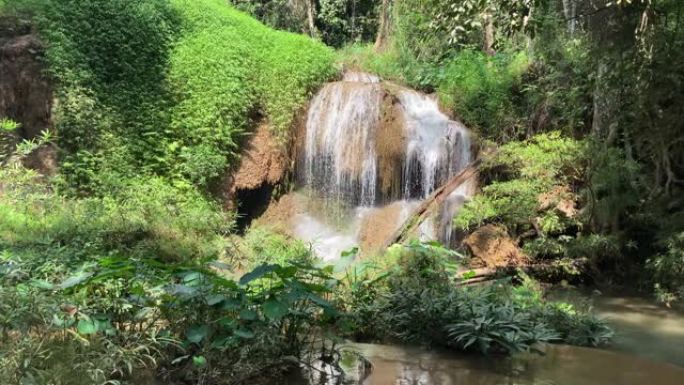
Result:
648,350
642,327
561,365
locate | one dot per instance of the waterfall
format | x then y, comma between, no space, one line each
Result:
340,159
343,147
437,147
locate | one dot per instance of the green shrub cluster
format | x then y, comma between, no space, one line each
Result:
517,175
228,70
102,289
548,194
668,270
418,300
161,87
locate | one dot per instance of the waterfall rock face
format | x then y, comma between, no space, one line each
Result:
374,148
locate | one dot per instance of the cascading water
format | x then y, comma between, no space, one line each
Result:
340,159
343,147
437,147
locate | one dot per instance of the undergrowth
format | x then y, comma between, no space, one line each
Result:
161,87
419,299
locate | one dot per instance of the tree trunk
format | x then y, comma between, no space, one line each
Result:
311,17
384,27
488,41
570,13
421,213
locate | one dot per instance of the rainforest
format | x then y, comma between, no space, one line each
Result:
328,192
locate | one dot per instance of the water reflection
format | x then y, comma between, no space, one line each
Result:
561,365
643,328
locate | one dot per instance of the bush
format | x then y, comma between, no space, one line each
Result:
515,178
262,245
160,87
482,90
102,288
419,301
667,269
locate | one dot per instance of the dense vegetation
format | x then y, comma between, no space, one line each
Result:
579,90
121,289
123,267
166,87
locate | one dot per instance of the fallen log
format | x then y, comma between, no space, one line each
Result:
435,199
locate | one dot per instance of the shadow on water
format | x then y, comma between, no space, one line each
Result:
648,350
642,327
560,365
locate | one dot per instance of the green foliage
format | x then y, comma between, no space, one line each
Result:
668,270
103,287
519,173
147,216
158,87
228,69
482,90
336,22
262,245
419,300
346,21
8,125
7,139
554,195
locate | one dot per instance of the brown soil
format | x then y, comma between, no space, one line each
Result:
490,246
390,145
262,162
279,214
561,198
25,91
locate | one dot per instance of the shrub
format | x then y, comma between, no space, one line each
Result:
515,178
667,269
262,245
141,93
419,301
482,90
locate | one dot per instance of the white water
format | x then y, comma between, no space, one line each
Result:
437,147
340,163
340,159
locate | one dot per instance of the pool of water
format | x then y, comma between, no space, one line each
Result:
642,327
648,349
560,365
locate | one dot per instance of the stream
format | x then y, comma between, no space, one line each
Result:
648,349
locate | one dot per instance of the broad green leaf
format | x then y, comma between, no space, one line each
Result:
41,284
62,322
87,326
258,272
75,280
248,315
274,309
214,299
244,333
231,304
319,301
197,333
199,361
